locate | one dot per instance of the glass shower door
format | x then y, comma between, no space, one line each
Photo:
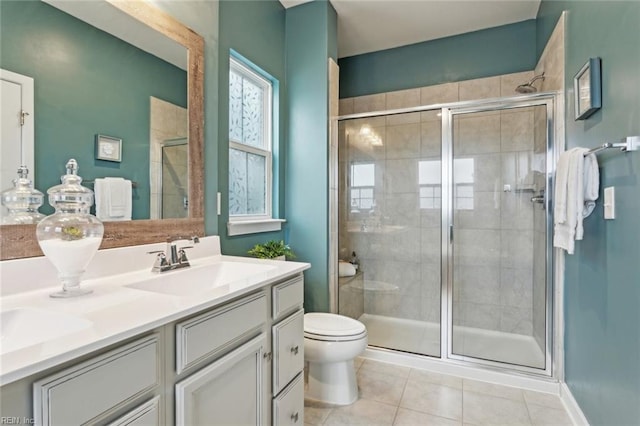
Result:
390,217
498,234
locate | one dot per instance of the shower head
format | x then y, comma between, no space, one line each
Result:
528,87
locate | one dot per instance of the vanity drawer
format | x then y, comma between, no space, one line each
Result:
147,414
288,296
288,407
219,330
79,394
288,350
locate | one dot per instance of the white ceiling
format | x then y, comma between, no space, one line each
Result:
370,25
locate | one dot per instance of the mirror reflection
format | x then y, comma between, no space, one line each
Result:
87,82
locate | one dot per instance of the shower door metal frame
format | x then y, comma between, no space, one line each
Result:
551,100
448,113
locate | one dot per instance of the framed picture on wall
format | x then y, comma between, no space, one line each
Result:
587,87
108,148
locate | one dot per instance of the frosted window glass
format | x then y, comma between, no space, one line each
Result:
252,114
247,188
256,188
246,111
235,107
237,182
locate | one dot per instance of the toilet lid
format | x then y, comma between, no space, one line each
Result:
324,324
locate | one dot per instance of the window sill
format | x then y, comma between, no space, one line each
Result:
243,227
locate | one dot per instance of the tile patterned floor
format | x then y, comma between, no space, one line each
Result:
392,395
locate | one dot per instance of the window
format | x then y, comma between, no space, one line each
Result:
363,180
430,188
429,182
250,155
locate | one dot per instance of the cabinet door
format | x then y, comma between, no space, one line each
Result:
96,387
229,391
288,350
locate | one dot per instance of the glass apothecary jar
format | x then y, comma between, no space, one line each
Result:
22,201
70,237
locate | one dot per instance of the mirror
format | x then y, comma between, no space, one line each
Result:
67,135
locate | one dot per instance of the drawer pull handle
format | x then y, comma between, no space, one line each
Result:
294,417
294,350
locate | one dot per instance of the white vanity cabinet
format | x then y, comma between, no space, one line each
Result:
237,362
230,389
288,352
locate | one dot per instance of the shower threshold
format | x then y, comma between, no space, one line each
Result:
422,337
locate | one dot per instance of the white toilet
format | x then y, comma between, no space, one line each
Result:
331,342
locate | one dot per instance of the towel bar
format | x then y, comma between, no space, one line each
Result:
630,143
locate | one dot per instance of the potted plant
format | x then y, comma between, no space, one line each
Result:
273,249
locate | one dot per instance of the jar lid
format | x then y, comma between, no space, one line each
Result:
23,196
70,194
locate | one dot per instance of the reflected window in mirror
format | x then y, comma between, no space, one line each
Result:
250,142
363,181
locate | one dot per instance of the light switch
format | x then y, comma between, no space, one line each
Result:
610,202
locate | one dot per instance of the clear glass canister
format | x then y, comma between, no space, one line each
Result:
70,237
22,201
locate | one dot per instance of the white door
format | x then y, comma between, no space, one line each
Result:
17,134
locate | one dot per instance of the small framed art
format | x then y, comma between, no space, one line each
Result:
108,148
587,87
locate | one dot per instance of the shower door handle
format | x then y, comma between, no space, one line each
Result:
539,199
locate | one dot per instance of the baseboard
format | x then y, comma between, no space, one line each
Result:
571,405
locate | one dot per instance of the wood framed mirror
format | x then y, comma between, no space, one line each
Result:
18,241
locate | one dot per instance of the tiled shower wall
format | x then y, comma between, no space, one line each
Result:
167,121
399,243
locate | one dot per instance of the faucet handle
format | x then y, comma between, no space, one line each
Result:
182,254
161,261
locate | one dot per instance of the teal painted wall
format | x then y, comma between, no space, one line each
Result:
500,50
255,30
86,82
308,46
602,279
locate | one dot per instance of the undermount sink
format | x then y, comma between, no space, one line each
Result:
22,327
195,280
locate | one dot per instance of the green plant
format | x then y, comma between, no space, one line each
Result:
272,249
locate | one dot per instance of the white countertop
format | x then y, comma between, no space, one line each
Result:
117,312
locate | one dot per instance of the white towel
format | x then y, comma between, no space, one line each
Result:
346,269
591,184
576,190
113,199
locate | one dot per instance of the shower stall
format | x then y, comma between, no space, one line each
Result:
446,209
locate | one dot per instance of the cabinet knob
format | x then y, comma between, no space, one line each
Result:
294,417
294,350
267,356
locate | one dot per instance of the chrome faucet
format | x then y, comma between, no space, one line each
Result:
177,257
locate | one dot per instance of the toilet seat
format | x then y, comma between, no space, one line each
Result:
332,328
